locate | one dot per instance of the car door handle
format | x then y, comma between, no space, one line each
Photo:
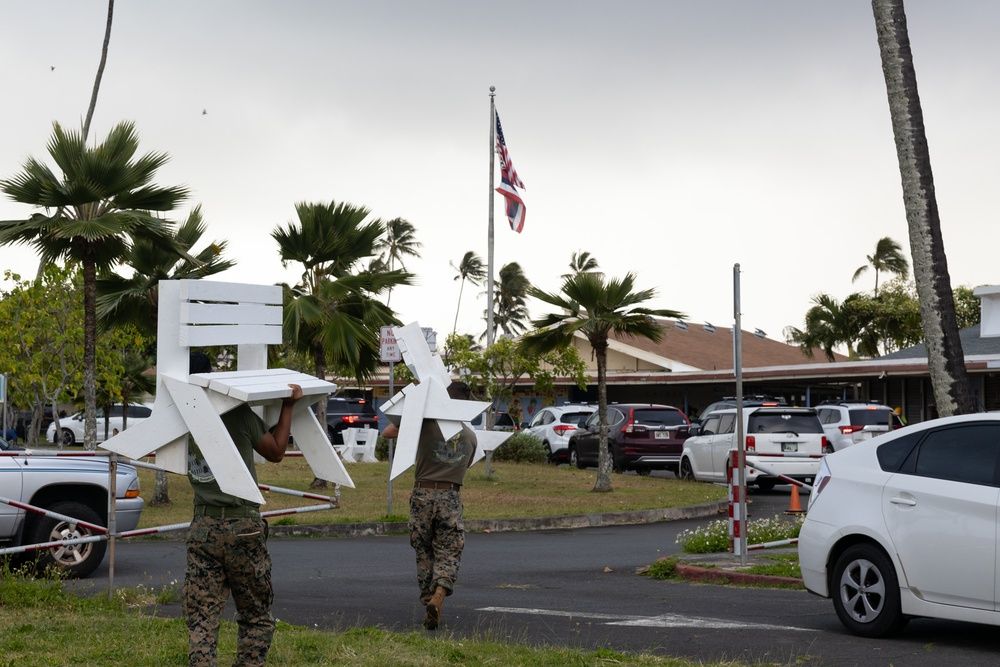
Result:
909,502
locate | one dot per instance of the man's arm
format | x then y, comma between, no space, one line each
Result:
390,431
273,443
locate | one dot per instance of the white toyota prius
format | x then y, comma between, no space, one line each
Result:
905,525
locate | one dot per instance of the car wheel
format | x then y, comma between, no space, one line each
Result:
574,458
548,452
617,464
866,592
66,438
74,560
765,484
686,472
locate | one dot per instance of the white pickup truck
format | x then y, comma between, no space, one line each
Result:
76,487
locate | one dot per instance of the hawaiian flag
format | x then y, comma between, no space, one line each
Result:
509,182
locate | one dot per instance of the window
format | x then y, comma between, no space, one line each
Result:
966,453
538,419
139,411
727,422
874,418
576,418
615,416
784,422
711,425
659,417
892,454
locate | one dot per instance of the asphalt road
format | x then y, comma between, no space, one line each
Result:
572,588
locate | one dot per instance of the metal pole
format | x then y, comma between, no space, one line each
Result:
112,518
390,441
489,242
741,461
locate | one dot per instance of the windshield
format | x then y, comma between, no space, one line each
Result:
659,417
783,422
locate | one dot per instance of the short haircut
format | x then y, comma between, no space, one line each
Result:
459,390
199,362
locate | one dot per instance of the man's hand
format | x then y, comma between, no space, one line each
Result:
296,395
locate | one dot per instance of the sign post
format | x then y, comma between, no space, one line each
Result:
389,352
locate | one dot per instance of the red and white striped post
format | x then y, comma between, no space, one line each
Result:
736,519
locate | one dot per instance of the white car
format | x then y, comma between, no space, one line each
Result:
788,441
71,428
906,525
847,423
554,425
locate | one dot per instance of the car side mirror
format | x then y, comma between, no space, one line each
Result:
694,429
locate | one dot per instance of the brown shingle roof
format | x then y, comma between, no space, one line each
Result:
708,351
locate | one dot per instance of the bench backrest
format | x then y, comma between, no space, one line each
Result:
200,313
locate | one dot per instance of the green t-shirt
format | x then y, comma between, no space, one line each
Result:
441,461
246,429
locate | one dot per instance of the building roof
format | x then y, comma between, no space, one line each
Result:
973,344
704,347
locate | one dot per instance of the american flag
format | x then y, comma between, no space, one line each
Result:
509,182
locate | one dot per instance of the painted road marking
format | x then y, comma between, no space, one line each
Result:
661,621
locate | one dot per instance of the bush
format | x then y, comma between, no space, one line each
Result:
521,448
714,536
664,568
382,449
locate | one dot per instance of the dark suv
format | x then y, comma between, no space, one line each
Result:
344,413
641,437
749,401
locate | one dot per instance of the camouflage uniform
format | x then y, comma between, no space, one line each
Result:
437,534
228,555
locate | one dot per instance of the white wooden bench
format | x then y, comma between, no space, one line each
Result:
359,445
201,313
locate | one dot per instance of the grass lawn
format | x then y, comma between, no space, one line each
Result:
42,625
516,490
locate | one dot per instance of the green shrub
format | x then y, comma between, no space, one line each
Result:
382,449
664,568
521,448
714,536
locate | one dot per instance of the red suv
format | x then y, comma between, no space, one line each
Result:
641,437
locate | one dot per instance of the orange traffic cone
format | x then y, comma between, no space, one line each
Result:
794,506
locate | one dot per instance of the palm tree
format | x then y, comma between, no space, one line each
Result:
590,305
133,300
827,326
888,256
510,299
332,313
100,70
581,262
471,268
945,359
92,212
400,240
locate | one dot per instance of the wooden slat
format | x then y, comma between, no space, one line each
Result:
202,379
229,313
207,335
210,290
268,392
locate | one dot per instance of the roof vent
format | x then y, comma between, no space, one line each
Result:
760,333
681,324
709,328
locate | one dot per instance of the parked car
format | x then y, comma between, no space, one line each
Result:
501,422
74,487
787,440
847,423
906,525
71,428
345,412
753,401
641,437
554,425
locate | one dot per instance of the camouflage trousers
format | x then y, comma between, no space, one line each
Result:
437,534
223,556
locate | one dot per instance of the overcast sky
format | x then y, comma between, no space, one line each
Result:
671,139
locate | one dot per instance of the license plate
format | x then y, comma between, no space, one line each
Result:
789,446
661,435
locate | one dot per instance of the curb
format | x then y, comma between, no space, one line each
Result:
509,525
713,575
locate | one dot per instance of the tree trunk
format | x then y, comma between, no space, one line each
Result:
945,359
319,359
100,70
161,492
603,483
89,345
461,287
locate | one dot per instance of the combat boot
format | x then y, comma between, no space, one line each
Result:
434,607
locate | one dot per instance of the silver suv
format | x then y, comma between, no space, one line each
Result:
74,487
846,424
555,424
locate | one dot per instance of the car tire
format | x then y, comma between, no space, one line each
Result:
865,592
66,437
77,560
685,471
574,458
617,464
548,453
765,484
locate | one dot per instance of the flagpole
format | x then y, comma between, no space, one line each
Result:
489,243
